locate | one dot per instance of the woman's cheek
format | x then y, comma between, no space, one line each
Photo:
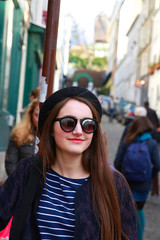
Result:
59,135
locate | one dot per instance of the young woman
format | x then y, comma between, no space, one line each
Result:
78,195
140,131
22,140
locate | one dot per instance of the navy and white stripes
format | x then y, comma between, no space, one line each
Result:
56,210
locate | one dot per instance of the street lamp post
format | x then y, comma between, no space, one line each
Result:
49,60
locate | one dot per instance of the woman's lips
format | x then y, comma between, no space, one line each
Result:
77,140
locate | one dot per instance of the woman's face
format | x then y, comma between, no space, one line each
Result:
77,141
35,115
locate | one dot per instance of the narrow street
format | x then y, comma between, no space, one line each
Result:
152,207
113,132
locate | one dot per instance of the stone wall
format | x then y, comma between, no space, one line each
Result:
3,174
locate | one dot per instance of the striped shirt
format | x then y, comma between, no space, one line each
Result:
56,210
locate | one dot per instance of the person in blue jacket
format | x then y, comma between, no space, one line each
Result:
77,195
140,130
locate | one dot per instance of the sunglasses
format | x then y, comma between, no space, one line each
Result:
68,124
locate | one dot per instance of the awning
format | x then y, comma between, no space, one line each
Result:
35,28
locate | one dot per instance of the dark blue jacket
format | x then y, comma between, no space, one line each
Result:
86,225
14,154
155,158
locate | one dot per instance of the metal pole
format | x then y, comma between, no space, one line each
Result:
49,60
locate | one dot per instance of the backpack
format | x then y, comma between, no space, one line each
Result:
137,165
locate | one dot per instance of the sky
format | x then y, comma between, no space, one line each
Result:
85,12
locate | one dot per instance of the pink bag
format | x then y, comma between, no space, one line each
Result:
4,234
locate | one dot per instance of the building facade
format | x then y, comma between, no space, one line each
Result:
22,38
137,52
154,66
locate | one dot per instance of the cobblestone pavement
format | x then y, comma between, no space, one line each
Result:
152,207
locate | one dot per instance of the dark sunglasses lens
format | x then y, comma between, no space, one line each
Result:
89,125
68,124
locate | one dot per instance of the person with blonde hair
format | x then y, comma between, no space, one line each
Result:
22,140
35,93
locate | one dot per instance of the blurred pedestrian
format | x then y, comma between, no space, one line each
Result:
139,131
34,94
139,111
22,140
152,115
77,194
111,108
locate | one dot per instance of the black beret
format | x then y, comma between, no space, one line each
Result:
60,95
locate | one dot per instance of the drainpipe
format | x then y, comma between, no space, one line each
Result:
22,76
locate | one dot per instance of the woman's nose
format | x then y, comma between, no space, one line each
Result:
78,129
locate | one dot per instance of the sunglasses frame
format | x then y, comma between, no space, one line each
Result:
75,123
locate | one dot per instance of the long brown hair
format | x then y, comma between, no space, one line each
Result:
94,159
25,131
137,128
